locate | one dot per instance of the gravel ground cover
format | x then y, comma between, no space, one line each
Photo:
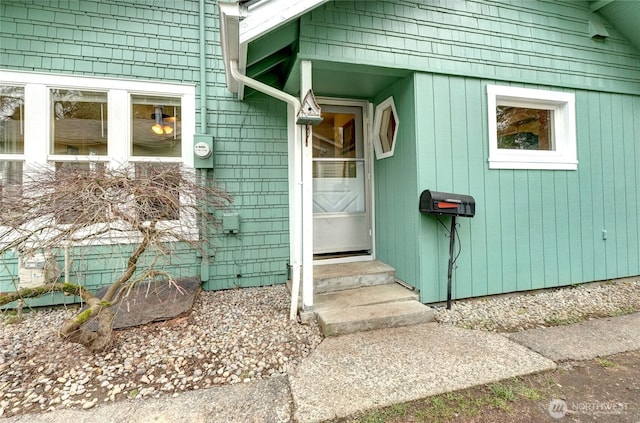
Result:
233,337
229,337
553,307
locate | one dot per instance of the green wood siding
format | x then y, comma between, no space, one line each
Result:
395,185
533,228
537,42
152,40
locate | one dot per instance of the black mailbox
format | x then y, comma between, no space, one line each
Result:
444,203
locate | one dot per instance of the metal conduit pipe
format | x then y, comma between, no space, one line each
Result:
204,262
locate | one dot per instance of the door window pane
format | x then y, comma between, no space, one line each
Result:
79,122
11,120
156,126
335,137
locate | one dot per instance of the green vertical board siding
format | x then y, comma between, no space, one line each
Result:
630,123
533,228
564,217
396,204
597,173
476,122
429,234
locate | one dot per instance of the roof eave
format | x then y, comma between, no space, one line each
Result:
267,15
239,25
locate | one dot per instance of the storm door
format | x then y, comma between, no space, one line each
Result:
341,208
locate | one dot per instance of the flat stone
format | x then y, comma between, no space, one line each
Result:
151,302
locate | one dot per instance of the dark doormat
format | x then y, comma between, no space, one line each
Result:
151,302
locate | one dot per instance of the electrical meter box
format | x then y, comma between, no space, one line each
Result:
203,151
37,269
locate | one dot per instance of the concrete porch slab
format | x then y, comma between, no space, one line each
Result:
336,277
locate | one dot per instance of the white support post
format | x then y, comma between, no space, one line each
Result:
295,207
307,197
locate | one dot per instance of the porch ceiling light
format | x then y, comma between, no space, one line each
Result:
160,127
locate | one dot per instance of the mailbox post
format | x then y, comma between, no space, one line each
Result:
447,204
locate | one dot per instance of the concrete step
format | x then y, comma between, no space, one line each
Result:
368,308
339,277
363,296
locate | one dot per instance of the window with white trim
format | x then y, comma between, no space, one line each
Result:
89,123
385,128
531,129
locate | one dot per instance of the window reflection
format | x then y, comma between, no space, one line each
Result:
156,126
521,128
335,137
10,179
11,120
79,122
387,129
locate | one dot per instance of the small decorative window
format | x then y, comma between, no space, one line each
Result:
385,128
531,129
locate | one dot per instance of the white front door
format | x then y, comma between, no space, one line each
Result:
341,195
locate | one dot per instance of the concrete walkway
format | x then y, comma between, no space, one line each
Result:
357,372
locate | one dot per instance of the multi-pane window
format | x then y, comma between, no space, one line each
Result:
531,129
10,177
88,124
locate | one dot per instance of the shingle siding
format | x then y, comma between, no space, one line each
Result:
538,42
153,40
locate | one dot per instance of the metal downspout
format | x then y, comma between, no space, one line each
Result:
204,263
264,88
297,223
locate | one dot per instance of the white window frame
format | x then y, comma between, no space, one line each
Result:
377,126
37,118
563,156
